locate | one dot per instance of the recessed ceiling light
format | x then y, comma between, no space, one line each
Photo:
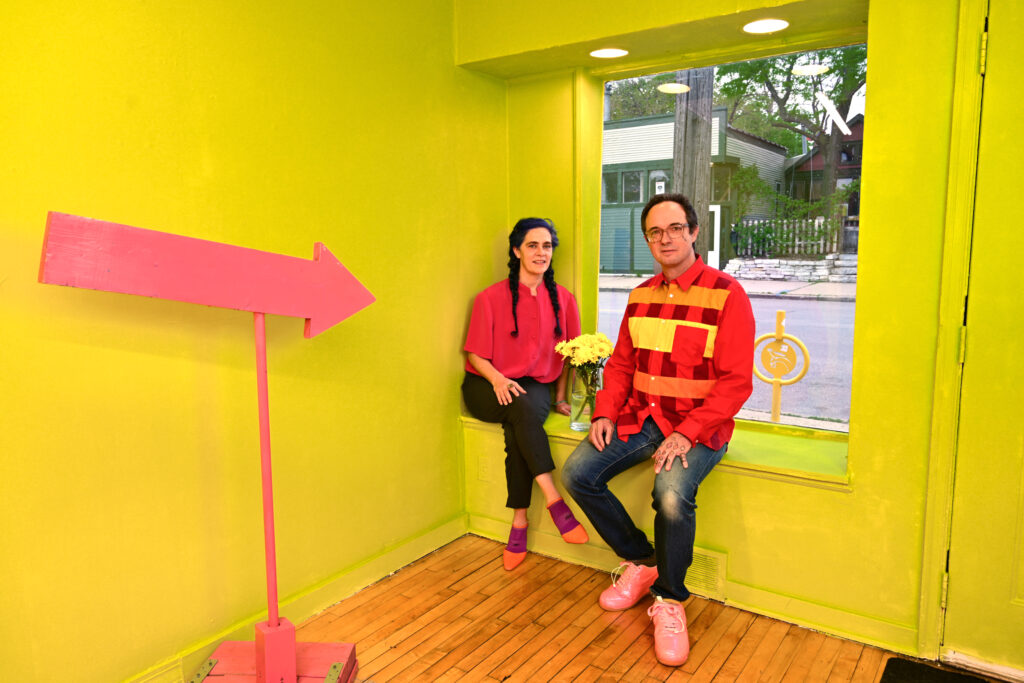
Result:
810,69
673,88
766,26
609,53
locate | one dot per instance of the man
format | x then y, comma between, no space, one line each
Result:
681,369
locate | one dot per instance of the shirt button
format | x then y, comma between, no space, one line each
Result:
671,295
652,405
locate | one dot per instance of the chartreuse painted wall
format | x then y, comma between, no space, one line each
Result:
407,136
861,554
130,519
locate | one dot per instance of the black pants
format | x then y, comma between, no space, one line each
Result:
527,451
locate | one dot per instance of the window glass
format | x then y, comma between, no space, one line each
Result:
632,186
721,184
658,182
610,188
777,150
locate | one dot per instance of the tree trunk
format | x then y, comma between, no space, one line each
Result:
691,150
830,147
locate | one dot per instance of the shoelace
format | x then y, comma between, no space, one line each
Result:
666,616
624,572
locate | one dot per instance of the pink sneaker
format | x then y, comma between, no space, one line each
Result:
671,641
630,582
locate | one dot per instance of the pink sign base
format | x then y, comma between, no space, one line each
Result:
237,661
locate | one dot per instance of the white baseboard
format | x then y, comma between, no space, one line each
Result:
962,661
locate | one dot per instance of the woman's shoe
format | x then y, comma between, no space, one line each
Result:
572,531
515,551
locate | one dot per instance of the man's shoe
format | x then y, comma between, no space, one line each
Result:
632,583
671,641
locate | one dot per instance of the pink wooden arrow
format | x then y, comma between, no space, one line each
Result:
95,254
83,252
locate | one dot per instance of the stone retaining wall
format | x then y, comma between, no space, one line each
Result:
832,268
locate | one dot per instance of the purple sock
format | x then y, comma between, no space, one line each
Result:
562,516
517,540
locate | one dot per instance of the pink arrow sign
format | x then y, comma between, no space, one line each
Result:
95,254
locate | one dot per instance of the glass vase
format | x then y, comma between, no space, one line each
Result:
582,393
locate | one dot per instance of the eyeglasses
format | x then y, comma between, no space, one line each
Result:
674,231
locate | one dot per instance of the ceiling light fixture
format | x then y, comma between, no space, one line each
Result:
766,26
810,69
609,53
673,88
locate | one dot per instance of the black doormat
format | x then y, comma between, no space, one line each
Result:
907,671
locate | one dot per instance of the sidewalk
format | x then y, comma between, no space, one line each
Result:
791,289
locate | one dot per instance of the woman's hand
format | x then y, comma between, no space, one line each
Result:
506,389
562,407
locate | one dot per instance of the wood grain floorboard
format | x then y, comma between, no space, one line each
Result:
457,615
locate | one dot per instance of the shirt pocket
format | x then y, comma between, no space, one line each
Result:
688,345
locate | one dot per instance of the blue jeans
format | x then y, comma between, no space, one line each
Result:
586,475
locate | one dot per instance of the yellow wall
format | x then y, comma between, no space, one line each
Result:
129,493
859,559
129,482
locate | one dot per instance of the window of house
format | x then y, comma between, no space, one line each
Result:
633,187
610,188
721,186
787,237
658,182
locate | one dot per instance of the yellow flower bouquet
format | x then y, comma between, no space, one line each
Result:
587,354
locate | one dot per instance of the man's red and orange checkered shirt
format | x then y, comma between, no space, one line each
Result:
684,356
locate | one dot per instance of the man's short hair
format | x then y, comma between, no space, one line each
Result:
681,200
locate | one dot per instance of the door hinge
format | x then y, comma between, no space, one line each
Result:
983,57
963,344
945,589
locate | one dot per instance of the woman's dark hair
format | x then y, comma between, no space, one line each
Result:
515,241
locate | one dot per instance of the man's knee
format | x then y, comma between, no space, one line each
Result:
675,492
574,472
674,504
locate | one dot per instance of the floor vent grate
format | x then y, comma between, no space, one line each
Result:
706,576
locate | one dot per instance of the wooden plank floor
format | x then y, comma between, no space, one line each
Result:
456,614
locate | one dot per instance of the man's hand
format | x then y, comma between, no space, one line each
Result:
601,432
675,446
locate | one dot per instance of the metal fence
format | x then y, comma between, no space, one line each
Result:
781,238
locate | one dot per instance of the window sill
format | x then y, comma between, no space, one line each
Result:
795,455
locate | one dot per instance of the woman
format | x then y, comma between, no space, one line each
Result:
511,364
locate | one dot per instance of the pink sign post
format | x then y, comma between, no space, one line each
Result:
94,254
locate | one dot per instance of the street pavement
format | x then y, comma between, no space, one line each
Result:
820,313
793,289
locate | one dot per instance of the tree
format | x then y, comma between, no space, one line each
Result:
634,97
769,88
